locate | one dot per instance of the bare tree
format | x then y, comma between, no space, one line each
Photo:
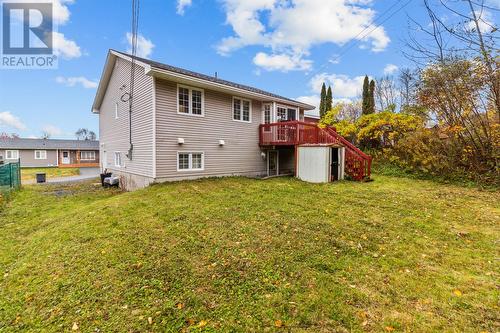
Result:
470,36
407,82
459,75
386,93
85,134
4,135
350,111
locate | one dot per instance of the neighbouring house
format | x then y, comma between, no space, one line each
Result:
50,152
186,125
312,118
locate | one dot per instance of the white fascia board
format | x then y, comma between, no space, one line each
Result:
190,80
106,76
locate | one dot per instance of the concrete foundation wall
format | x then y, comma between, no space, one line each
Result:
187,177
132,182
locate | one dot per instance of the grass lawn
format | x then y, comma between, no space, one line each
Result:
30,173
243,255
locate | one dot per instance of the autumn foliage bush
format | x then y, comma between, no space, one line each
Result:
404,140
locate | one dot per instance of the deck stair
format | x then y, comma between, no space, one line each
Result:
295,133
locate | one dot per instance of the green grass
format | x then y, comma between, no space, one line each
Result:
243,255
30,173
488,182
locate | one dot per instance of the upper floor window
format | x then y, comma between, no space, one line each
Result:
281,114
267,113
242,109
40,154
286,113
190,100
12,154
87,155
116,111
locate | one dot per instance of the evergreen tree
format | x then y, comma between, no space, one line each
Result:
322,103
329,99
366,96
372,96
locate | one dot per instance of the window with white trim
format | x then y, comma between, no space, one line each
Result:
242,109
190,100
118,159
267,113
187,161
12,154
40,154
117,113
87,155
281,114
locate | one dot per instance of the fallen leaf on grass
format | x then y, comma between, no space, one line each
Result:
150,320
75,327
457,292
278,323
202,323
179,306
389,328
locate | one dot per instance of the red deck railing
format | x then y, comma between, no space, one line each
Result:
293,133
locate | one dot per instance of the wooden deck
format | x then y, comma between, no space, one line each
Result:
295,133
81,165
290,133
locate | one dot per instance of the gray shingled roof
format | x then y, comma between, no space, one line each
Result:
179,70
48,144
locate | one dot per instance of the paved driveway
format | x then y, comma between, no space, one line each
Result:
85,174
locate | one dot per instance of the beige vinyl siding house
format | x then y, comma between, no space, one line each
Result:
114,123
37,153
30,157
240,153
183,124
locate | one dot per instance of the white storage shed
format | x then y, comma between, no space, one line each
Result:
320,163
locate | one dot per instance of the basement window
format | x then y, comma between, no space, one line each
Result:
187,161
118,159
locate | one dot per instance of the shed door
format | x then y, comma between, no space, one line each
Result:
335,165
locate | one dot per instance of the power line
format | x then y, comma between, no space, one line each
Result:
375,28
134,32
355,40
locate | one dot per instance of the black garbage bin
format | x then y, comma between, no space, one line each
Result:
105,175
41,178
